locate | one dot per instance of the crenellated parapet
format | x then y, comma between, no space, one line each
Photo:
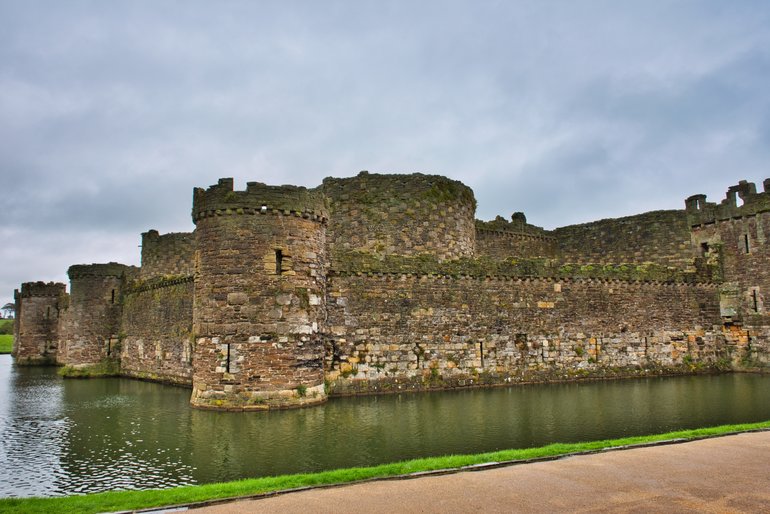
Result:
500,238
30,289
258,199
741,200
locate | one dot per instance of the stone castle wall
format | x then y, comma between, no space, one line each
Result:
401,215
661,237
391,331
376,283
167,255
156,339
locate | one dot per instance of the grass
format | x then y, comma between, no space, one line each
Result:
6,343
130,500
106,368
6,335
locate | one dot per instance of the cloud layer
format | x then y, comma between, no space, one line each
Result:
111,112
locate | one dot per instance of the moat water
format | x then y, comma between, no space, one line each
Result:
76,436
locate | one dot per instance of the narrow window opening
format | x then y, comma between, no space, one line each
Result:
112,296
481,352
278,262
227,363
755,300
48,313
704,248
109,347
746,242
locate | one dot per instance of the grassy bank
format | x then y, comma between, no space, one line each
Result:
6,343
129,500
6,335
106,368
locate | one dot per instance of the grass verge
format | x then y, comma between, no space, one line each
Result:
6,343
131,500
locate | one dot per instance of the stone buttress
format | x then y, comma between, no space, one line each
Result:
259,301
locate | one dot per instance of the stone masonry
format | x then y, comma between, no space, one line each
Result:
284,296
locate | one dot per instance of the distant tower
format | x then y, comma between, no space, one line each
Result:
90,325
36,327
259,296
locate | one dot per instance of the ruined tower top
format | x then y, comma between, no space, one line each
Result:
29,289
220,199
741,200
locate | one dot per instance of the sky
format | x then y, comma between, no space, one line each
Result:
570,111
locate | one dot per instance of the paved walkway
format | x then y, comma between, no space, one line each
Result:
725,474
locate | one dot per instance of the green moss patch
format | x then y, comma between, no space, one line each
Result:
106,368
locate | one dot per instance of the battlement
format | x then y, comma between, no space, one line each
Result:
741,200
29,289
221,199
518,226
111,269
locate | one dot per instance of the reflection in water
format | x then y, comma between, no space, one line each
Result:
75,436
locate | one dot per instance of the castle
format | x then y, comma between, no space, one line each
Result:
283,295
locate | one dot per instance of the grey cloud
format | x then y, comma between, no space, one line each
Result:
111,112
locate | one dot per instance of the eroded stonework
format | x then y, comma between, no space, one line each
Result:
283,295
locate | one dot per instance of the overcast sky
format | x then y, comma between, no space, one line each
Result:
112,111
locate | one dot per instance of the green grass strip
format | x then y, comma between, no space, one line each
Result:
6,343
131,500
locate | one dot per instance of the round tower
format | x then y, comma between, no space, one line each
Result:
36,327
259,302
405,215
90,324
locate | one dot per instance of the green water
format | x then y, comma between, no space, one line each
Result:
74,436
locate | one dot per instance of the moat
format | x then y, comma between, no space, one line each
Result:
77,436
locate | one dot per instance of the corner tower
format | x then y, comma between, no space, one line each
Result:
36,327
259,302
